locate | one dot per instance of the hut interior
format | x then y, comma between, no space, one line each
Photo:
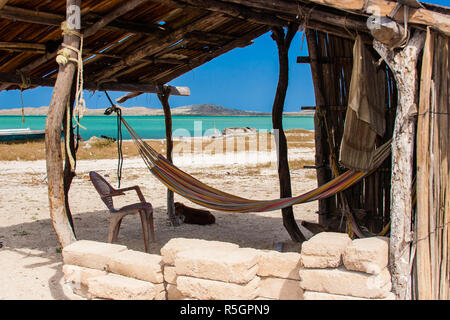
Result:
139,46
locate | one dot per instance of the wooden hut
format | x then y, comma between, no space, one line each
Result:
138,46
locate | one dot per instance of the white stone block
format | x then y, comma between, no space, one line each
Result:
77,277
347,283
311,295
320,262
118,287
280,289
329,246
136,264
279,264
175,245
237,265
90,254
203,289
370,255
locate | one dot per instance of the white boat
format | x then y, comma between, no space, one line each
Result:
21,134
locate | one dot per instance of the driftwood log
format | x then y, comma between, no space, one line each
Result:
387,31
55,174
164,98
403,65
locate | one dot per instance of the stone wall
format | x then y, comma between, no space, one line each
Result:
331,266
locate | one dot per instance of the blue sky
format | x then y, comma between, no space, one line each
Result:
245,78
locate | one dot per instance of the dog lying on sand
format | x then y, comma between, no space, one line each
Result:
192,215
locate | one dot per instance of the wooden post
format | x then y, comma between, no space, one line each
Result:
163,96
321,150
55,115
403,64
69,146
283,43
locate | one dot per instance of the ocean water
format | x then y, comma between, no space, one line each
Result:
153,127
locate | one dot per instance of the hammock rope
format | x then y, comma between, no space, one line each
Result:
198,192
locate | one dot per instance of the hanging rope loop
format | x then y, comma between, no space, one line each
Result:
118,111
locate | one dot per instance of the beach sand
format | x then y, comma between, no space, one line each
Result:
30,256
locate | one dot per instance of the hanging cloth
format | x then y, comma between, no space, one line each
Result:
365,117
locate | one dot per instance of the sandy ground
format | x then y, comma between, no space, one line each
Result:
30,256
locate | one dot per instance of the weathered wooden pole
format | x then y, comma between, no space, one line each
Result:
60,98
403,65
69,147
322,152
163,96
283,43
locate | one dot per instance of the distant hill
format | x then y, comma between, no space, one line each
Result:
205,109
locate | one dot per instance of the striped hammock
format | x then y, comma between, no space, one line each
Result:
196,191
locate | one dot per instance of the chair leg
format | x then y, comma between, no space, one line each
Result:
114,227
150,223
144,222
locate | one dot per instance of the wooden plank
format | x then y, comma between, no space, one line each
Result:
16,79
52,19
423,173
152,47
181,69
323,60
23,46
105,20
424,17
440,165
320,156
299,12
235,11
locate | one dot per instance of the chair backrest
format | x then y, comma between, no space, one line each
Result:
103,188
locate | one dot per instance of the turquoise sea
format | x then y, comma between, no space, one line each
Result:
152,127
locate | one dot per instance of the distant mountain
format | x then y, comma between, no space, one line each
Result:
205,109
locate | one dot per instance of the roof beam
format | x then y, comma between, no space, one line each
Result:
154,46
279,13
15,79
51,19
126,7
421,16
179,70
40,48
23,46
208,37
235,11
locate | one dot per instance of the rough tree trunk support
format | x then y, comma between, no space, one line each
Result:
403,64
164,98
60,97
283,43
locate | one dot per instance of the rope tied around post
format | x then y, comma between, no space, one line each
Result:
63,58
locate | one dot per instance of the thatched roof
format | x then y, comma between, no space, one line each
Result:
141,42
